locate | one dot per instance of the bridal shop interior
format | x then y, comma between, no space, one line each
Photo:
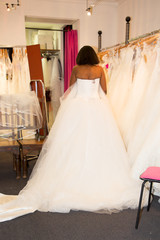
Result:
39,42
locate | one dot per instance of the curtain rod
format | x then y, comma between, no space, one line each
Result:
46,29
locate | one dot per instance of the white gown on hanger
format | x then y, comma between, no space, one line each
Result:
144,146
120,82
135,97
83,164
56,87
3,81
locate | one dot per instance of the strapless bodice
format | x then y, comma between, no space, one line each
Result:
88,88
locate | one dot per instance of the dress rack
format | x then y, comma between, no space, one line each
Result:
49,53
128,19
149,38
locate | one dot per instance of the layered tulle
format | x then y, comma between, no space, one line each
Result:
83,164
139,117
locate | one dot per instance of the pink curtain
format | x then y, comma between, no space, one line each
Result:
71,50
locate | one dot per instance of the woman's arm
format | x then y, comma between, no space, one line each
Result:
73,77
103,81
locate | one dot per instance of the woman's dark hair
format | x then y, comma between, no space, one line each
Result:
87,55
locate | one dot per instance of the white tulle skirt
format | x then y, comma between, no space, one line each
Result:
83,164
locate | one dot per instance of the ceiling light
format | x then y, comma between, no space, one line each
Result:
89,8
8,7
12,6
89,11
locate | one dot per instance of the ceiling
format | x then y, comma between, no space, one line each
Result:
59,23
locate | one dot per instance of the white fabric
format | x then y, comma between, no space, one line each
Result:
56,84
121,82
139,117
83,164
47,71
146,136
19,112
19,107
3,81
15,76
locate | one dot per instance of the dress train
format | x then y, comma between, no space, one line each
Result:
83,164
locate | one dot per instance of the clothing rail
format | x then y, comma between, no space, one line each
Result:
148,38
145,35
132,40
48,53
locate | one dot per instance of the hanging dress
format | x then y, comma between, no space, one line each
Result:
145,140
3,80
120,82
56,86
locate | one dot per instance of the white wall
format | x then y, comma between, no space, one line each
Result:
12,24
145,15
12,31
104,18
88,25
107,17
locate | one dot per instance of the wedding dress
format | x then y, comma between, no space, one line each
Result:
120,82
3,81
83,164
139,117
56,84
144,144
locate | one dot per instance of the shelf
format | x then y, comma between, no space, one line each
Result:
47,53
50,50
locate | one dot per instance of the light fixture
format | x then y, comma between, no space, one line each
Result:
90,4
89,11
89,8
8,7
12,6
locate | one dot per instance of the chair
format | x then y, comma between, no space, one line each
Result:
28,146
13,147
151,175
9,132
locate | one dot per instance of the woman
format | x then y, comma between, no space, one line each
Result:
87,67
83,164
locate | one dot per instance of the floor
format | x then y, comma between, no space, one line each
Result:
76,225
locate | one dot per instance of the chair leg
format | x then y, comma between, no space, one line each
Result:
18,167
24,166
14,162
149,198
139,207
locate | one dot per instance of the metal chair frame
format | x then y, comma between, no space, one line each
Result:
28,146
145,180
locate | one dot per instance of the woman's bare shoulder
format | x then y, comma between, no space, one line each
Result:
76,69
99,67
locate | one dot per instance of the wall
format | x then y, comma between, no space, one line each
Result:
144,14
13,26
106,17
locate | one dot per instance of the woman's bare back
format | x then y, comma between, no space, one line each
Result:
88,72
